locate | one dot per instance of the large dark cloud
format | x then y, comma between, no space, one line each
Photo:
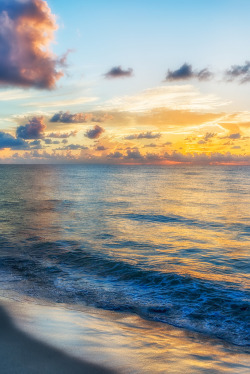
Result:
144,135
186,72
9,141
241,72
118,72
32,130
26,30
94,133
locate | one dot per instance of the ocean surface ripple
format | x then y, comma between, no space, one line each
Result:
169,244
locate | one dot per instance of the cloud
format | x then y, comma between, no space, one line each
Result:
66,117
61,103
206,159
9,141
32,130
241,72
74,147
207,137
95,132
118,72
26,31
116,155
181,97
234,136
101,148
62,135
133,155
186,72
144,135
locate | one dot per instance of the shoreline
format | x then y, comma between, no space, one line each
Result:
124,343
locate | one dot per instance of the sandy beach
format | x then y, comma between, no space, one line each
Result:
122,343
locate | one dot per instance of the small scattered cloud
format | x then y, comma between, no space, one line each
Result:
101,148
206,138
62,135
118,72
74,147
32,130
144,135
67,117
186,72
26,32
234,136
241,72
94,133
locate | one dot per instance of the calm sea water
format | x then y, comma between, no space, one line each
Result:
170,244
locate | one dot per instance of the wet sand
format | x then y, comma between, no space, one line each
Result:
22,354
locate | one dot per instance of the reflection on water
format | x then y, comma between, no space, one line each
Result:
128,344
167,243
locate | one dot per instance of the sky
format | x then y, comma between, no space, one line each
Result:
136,82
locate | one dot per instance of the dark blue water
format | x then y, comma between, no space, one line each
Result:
170,244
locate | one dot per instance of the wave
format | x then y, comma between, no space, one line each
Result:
65,271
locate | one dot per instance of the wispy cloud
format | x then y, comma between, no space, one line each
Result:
61,135
13,94
61,103
184,97
144,135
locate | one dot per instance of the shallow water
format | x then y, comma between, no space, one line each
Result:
170,244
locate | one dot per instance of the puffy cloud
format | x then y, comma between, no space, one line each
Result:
144,135
241,72
133,155
9,141
32,130
118,72
116,155
26,30
186,72
62,135
94,133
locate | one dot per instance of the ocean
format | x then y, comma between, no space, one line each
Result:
167,244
